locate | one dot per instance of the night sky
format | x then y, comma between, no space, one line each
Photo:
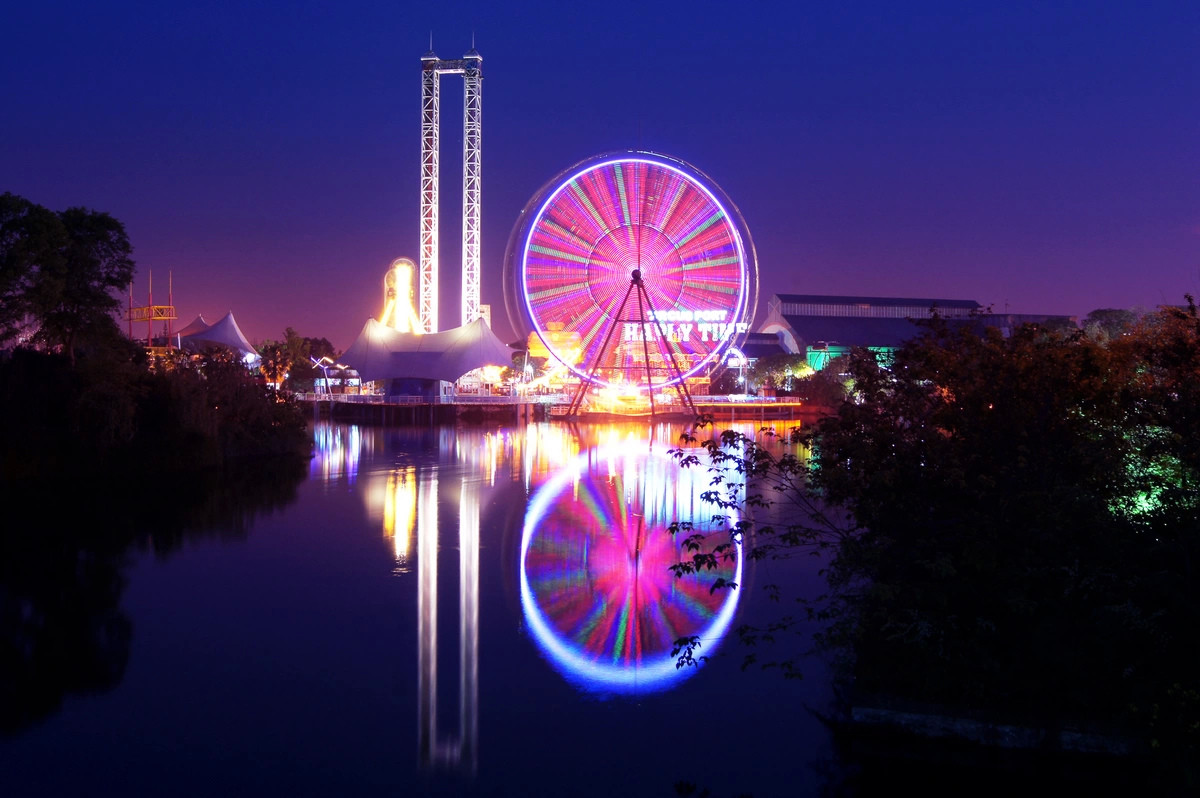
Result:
1040,157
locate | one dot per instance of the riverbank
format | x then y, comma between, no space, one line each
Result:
503,410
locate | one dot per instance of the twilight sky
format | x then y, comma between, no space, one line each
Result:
1039,156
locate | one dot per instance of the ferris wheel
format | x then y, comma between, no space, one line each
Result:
619,221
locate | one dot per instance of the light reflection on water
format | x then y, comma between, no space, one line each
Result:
594,578
364,632
595,587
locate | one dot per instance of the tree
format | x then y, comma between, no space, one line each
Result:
60,270
1019,533
779,370
274,361
29,235
824,388
1109,323
301,351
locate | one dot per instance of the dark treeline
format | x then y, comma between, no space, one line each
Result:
1010,525
103,450
78,397
111,417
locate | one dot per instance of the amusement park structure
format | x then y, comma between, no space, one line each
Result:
470,66
150,313
693,288
398,312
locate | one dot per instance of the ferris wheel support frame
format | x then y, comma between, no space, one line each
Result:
470,66
643,298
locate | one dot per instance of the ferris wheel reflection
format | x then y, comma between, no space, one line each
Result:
597,590
594,584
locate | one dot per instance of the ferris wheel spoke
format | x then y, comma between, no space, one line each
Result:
620,216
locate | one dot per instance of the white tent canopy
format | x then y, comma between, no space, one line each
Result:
198,325
382,353
224,333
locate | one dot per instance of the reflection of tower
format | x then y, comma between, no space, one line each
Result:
464,749
400,514
470,66
398,312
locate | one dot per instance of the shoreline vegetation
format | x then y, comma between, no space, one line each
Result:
79,398
111,418
1010,537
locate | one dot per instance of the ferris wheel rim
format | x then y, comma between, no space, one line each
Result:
733,228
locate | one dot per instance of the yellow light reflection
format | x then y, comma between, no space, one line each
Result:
400,514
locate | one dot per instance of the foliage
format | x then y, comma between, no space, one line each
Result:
88,402
1018,527
522,364
110,412
300,351
980,474
28,234
60,270
762,479
1106,324
824,388
779,371
274,361
724,380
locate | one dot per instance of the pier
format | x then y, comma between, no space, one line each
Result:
378,409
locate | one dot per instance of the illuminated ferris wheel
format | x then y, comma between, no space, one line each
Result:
619,222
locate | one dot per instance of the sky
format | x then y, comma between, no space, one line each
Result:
1038,157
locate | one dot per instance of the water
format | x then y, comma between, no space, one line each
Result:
427,611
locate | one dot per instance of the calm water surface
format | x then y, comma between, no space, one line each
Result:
440,611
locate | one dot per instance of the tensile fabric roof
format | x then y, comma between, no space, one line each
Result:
382,353
224,333
197,324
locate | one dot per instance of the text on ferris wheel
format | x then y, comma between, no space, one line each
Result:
680,325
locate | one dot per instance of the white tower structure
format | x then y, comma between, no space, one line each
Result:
470,66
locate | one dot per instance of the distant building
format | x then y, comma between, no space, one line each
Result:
762,344
824,327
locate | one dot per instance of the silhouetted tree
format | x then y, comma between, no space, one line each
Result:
1011,523
301,350
60,271
1109,323
30,235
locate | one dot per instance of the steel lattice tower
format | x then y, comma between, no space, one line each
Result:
470,66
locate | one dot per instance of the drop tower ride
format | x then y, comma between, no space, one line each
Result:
470,66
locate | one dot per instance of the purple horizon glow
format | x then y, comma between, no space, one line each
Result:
1037,157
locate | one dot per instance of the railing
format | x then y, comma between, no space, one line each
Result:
557,401
458,399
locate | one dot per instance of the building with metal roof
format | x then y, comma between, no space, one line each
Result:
824,327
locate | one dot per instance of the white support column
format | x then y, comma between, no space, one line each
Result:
430,121
472,173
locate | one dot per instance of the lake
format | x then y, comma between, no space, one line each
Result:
440,611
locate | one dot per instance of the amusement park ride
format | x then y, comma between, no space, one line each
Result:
662,231
398,312
633,271
470,66
150,313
